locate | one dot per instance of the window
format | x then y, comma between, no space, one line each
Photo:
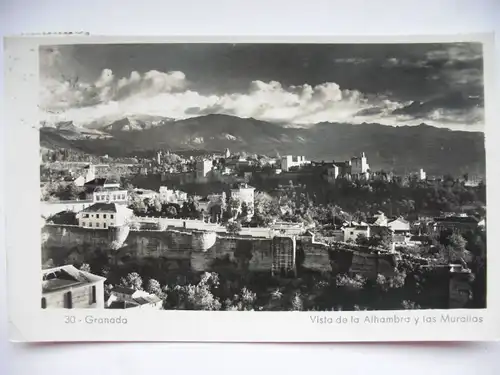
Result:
97,198
104,225
112,216
86,216
97,225
104,216
114,197
68,300
44,303
93,294
90,224
97,216
83,223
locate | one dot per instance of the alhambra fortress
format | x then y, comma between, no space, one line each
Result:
105,226
201,248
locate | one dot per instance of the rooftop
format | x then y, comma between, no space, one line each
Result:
101,181
123,290
457,219
66,276
107,188
96,181
101,207
242,186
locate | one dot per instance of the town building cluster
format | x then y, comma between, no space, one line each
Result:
107,204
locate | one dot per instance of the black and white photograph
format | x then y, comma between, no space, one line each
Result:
262,176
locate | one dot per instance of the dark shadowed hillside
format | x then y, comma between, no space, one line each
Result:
404,148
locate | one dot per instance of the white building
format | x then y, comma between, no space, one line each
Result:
172,196
244,194
332,173
359,165
125,298
104,215
203,167
399,226
68,287
146,194
110,195
379,219
422,175
290,161
79,181
352,232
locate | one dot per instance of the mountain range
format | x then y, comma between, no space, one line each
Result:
403,148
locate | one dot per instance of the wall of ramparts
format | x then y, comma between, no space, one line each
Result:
202,248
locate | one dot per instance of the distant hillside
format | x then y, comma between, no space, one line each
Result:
405,148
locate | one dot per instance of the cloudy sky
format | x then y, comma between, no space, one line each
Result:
293,84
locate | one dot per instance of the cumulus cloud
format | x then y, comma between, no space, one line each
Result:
170,94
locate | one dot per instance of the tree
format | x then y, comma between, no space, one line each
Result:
138,206
382,239
154,287
244,301
356,282
185,211
244,210
85,267
132,280
157,205
409,305
362,240
171,211
234,206
199,296
297,302
386,283
233,227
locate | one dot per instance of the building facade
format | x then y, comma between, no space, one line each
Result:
67,287
359,165
104,216
244,193
290,161
352,232
460,223
171,196
110,195
203,167
125,298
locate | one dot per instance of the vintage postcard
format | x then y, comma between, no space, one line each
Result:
251,189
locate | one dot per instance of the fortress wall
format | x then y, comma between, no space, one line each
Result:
316,255
202,248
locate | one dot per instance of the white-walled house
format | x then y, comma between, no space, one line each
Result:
172,196
244,194
290,161
146,194
110,195
379,219
125,298
104,215
352,232
399,226
68,287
